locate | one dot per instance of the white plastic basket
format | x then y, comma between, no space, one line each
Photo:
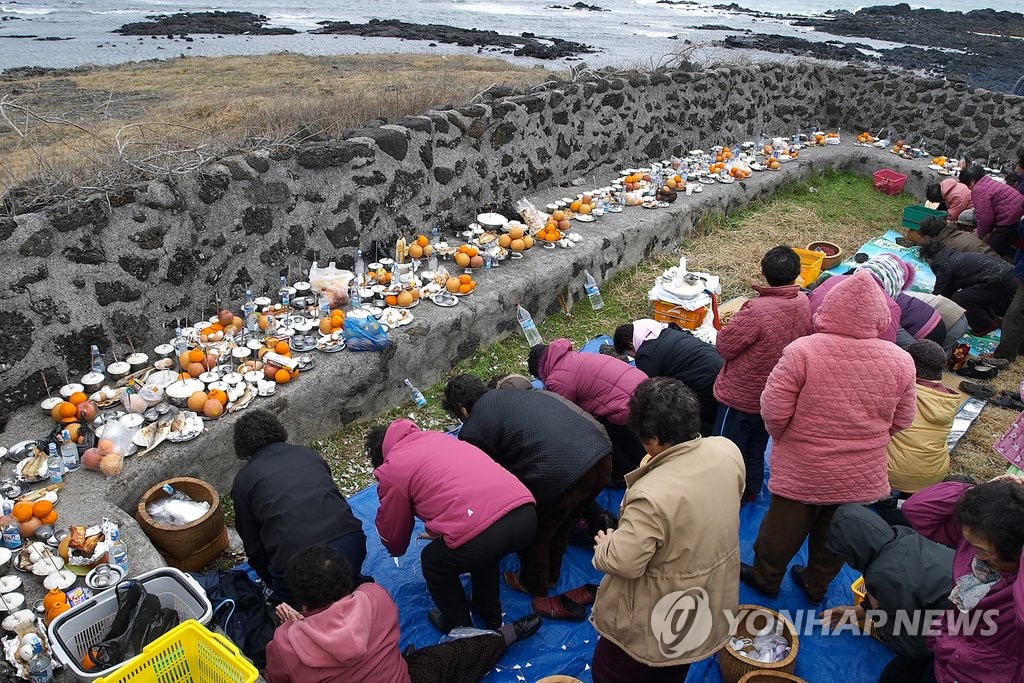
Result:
75,631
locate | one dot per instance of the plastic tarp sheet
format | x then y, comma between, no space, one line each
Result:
924,280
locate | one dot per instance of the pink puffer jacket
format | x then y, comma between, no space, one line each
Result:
822,290
995,204
599,384
752,343
957,197
836,398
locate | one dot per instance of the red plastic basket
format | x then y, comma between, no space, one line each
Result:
888,181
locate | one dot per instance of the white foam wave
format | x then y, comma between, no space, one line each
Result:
20,9
132,10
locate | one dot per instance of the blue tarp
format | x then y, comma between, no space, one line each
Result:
565,647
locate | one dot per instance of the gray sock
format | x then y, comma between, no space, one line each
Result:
508,632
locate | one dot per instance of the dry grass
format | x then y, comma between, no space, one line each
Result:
68,129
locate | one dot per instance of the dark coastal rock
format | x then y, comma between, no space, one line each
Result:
522,46
212,183
89,251
327,154
580,6
109,292
39,243
791,45
138,266
78,213
226,23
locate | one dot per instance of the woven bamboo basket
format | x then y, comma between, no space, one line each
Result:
770,677
735,666
182,542
198,560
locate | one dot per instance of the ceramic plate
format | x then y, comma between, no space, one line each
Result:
447,303
584,218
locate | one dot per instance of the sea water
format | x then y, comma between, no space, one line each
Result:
633,32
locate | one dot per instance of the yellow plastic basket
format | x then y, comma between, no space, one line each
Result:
189,653
810,266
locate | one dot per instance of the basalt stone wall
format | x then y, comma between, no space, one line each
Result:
123,266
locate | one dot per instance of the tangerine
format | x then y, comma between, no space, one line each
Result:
282,376
219,395
50,518
42,508
281,347
22,511
472,251
465,279
465,289
391,300
575,206
422,240
78,397
196,356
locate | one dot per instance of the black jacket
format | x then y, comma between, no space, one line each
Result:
543,443
955,270
677,353
285,500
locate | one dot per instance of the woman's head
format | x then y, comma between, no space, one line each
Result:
663,412
992,518
318,576
930,250
373,443
891,271
972,174
623,338
535,358
933,193
461,393
929,359
256,429
932,226
780,266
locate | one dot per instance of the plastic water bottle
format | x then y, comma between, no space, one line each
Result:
526,323
68,452
40,669
283,292
596,302
119,555
324,305
11,532
417,395
354,297
488,260
249,312
175,493
360,266
96,360
55,465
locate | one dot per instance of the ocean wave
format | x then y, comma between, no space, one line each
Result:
131,10
19,9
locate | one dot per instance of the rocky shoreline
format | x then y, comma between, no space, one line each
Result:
982,45
247,23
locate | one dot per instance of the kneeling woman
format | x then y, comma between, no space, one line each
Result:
652,554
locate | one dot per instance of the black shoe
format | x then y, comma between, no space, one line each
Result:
747,576
978,371
992,361
437,620
797,572
977,390
1007,401
526,626
904,242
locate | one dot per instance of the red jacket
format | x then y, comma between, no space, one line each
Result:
599,384
752,343
836,398
957,197
995,204
453,486
354,640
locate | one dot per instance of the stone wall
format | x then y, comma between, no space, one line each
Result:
126,265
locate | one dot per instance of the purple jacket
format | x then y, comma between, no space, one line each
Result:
994,658
454,487
996,204
888,334
917,317
599,384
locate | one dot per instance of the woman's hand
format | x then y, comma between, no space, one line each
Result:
602,536
1012,478
840,615
286,612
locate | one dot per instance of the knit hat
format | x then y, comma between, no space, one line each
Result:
929,358
894,273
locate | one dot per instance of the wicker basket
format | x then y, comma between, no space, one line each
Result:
181,542
198,560
735,666
830,262
770,677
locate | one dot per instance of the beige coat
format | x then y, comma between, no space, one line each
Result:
678,531
919,456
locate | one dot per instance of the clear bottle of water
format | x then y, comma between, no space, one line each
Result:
68,452
283,292
593,292
40,669
55,465
354,297
175,493
529,328
96,360
360,266
249,312
325,304
11,532
416,394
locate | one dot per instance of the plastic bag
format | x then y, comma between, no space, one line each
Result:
139,620
333,281
173,512
364,333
